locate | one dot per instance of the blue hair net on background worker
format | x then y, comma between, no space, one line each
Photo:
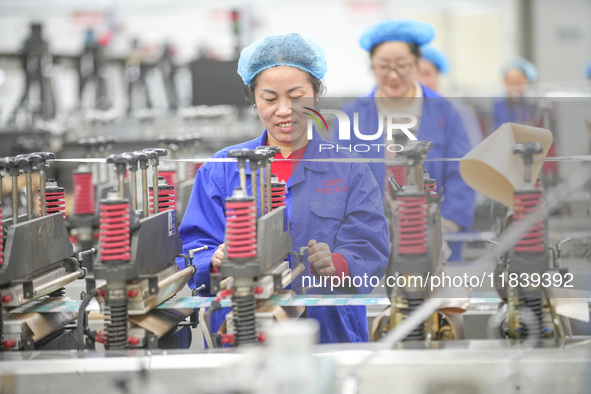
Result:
405,30
333,208
394,49
588,71
519,63
436,57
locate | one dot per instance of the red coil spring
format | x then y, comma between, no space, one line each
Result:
241,233
83,194
430,186
1,236
114,230
533,240
412,224
278,195
55,201
166,199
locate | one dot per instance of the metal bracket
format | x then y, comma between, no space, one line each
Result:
152,341
29,344
214,282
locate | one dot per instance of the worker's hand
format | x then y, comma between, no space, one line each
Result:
320,258
218,255
449,226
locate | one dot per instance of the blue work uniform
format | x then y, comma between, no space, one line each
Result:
338,203
439,123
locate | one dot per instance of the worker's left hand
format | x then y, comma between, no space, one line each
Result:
320,258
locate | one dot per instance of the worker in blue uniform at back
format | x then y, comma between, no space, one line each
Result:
335,208
394,52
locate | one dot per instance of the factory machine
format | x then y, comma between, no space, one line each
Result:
258,242
133,276
36,259
136,257
528,309
416,244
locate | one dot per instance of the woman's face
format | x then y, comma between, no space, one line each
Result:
428,74
395,69
275,91
515,82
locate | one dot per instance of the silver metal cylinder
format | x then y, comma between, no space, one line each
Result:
42,193
121,178
29,186
145,197
133,183
15,199
268,187
155,188
262,190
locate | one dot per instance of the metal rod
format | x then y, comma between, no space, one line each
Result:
262,190
55,284
29,188
14,199
155,188
268,186
146,208
42,193
242,172
121,185
253,187
133,182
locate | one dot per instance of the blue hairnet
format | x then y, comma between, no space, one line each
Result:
407,30
520,63
282,50
436,57
588,70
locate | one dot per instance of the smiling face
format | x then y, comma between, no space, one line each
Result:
275,90
395,69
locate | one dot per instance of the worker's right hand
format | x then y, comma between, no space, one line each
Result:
218,255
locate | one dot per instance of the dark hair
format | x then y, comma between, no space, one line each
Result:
414,49
317,86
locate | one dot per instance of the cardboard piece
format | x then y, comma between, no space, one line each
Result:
160,321
571,303
39,325
492,168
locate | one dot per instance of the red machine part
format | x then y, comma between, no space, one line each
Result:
166,198
430,186
241,230
412,224
114,231
55,198
523,204
278,194
83,193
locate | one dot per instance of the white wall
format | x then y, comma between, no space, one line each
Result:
477,35
562,39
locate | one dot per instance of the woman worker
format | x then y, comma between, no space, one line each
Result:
432,64
517,75
335,208
393,48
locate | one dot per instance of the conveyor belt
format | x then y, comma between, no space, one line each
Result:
47,305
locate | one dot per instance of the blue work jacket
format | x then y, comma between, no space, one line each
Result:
439,123
338,203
